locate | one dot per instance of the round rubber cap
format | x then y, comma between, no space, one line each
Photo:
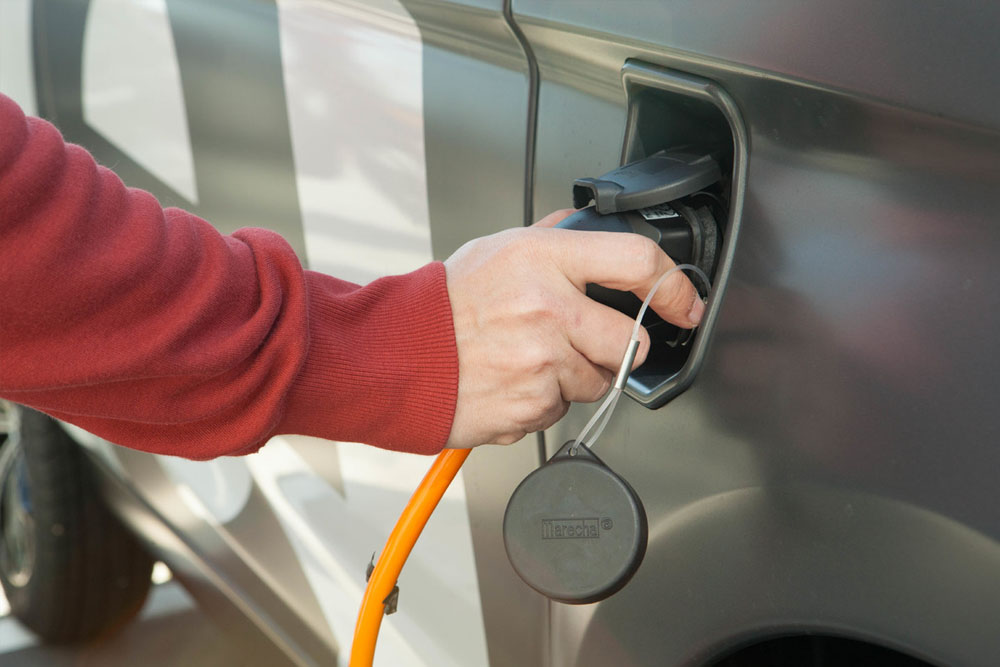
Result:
574,530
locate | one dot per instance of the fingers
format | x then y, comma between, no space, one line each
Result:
602,334
626,262
537,406
582,381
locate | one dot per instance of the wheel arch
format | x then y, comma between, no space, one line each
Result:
759,562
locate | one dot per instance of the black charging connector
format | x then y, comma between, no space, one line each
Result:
655,179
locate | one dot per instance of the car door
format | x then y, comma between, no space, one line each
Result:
826,470
375,137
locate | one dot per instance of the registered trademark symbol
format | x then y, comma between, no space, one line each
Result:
606,524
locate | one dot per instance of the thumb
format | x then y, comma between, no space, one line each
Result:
555,217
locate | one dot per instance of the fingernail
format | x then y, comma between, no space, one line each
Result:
697,310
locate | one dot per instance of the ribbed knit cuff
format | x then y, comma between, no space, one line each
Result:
382,366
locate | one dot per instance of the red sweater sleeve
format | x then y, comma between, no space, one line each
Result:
148,327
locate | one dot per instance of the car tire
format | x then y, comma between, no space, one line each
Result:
71,571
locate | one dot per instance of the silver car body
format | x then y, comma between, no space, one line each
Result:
831,470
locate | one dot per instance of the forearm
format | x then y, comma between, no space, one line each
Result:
148,327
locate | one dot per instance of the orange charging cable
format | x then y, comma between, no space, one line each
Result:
408,528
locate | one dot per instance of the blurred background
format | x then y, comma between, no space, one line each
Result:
170,630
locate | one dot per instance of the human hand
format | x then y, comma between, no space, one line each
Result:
530,341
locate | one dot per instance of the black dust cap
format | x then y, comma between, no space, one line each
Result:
574,530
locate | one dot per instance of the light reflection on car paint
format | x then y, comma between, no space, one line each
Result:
359,175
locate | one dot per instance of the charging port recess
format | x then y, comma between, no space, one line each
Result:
691,120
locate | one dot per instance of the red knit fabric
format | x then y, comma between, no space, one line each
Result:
149,328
